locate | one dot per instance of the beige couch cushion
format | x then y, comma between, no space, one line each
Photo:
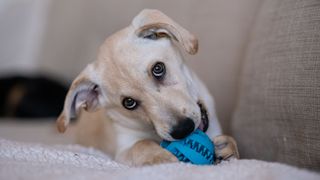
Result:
278,111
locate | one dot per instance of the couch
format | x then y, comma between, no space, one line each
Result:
277,116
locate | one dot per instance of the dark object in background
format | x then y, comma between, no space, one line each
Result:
30,97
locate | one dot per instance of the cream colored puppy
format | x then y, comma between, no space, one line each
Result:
142,92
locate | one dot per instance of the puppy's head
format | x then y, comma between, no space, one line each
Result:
140,79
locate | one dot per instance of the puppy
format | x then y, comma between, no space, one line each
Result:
142,92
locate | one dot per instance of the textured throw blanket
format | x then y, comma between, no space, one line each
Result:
35,161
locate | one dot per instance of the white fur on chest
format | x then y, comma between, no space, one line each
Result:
129,132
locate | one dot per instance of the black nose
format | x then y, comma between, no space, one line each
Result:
182,129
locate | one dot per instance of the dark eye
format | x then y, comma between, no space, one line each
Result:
152,36
129,103
158,70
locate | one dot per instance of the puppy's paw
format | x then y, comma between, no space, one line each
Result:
146,152
159,158
225,148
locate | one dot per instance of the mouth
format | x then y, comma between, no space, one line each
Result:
204,118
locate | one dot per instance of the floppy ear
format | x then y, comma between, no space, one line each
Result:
83,94
153,24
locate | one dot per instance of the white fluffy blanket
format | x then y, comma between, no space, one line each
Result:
35,161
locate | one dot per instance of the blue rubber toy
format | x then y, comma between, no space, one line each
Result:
197,148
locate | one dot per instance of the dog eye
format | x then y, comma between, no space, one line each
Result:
129,103
158,70
152,36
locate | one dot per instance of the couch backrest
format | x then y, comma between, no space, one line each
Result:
278,110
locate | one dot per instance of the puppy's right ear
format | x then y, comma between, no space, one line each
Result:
83,94
155,24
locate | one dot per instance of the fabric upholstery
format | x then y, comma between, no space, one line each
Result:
278,111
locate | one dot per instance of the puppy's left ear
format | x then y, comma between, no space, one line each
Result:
153,24
84,94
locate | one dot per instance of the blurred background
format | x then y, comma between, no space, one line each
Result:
44,44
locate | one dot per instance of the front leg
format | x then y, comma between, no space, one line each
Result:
146,152
225,148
